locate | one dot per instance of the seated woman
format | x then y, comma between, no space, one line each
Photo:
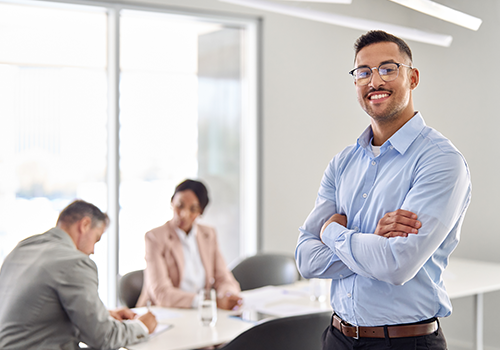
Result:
183,256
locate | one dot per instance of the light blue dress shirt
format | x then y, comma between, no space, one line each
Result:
377,280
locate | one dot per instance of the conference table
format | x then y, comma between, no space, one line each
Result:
464,278
180,329
186,331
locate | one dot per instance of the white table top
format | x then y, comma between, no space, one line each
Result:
462,278
188,332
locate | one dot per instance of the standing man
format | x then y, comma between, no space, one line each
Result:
48,290
388,214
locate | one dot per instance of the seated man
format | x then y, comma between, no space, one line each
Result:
48,290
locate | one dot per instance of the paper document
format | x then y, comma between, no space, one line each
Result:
160,313
287,309
280,301
161,327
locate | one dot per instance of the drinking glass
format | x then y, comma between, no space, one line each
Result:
207,307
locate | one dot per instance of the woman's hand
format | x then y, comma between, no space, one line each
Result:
229,302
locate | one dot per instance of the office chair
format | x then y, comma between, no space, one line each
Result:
287,333
130,287
265,269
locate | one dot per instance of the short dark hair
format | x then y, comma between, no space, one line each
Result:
197,187
379,36
79,209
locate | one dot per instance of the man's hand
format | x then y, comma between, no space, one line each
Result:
122,314
338,218
229,302
398,223
149,321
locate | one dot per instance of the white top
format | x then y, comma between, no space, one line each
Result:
194,275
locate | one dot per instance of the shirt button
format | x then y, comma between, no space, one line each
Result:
365,195
392,147
341,276
374,162
356,228
348,295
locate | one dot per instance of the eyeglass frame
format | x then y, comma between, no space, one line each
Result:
351,72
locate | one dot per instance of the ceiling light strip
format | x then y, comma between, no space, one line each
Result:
327,1
445,13
346,21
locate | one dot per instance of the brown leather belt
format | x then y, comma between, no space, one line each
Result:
413,330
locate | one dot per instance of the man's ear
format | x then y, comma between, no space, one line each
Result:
84,224
414,78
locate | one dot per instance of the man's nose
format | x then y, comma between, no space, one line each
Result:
376,80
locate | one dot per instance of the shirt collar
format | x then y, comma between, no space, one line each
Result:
186,237
401,140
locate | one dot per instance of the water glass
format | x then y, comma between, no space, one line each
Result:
207,307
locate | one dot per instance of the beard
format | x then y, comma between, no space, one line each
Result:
390,112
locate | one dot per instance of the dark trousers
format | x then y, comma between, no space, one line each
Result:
334,340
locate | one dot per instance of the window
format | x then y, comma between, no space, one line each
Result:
187,109
52,115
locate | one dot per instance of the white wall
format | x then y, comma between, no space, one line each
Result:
310,113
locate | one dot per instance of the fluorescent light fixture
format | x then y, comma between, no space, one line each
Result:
445,13
346,21
328,1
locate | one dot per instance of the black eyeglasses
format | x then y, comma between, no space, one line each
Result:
387,71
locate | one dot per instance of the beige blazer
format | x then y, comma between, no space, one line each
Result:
165,266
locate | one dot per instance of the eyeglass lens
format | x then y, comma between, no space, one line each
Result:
387,71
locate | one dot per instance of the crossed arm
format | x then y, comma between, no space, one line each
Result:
316,259
399,223
387,255
333,249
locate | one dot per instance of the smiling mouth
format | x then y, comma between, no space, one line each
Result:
378,96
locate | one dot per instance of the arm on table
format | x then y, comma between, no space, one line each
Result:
77,291
148,319
225,284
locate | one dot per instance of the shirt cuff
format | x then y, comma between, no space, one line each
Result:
195,302
143,326
332,233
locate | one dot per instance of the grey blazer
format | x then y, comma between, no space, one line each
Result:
49,299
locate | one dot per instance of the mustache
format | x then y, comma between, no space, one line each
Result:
372,90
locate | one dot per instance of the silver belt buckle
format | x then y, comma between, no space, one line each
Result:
357,333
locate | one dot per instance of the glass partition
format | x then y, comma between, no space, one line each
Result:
187,109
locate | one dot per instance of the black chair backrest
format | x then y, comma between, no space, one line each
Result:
130,287
265,269
287,333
